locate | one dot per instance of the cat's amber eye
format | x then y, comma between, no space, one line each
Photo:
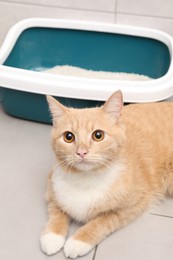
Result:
98,135
69,137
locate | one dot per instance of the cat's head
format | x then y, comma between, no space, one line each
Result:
87,139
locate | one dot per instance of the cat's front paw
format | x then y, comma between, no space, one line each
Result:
51,243
74,248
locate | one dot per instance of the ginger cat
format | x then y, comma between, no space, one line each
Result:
113,162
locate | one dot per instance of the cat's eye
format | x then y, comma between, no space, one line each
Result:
98,135
68,137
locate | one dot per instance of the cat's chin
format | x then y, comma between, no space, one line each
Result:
84,166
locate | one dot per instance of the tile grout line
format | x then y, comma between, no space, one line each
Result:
55,6
161,215
95,252
145,15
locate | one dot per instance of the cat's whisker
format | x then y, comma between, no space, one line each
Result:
67,163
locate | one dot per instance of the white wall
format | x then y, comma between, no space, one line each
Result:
149,13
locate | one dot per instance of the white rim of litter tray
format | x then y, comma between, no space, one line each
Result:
84,88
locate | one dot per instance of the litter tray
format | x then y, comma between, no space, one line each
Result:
34,45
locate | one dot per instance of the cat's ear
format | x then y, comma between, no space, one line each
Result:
57,109
113,106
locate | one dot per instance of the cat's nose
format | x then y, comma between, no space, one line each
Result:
82,152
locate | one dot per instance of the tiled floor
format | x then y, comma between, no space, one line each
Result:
25,159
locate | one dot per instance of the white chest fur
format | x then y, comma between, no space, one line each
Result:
79,194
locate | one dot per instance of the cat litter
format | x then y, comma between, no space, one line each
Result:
81,64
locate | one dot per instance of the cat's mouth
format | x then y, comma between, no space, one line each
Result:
84,164
81,164
82,161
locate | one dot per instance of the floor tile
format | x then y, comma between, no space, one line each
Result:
97,5
162,24
160,8
25,159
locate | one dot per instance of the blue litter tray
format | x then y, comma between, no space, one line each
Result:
34,45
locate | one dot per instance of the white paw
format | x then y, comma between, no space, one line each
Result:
74,248
51,243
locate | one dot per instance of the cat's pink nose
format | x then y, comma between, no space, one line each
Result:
82,152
